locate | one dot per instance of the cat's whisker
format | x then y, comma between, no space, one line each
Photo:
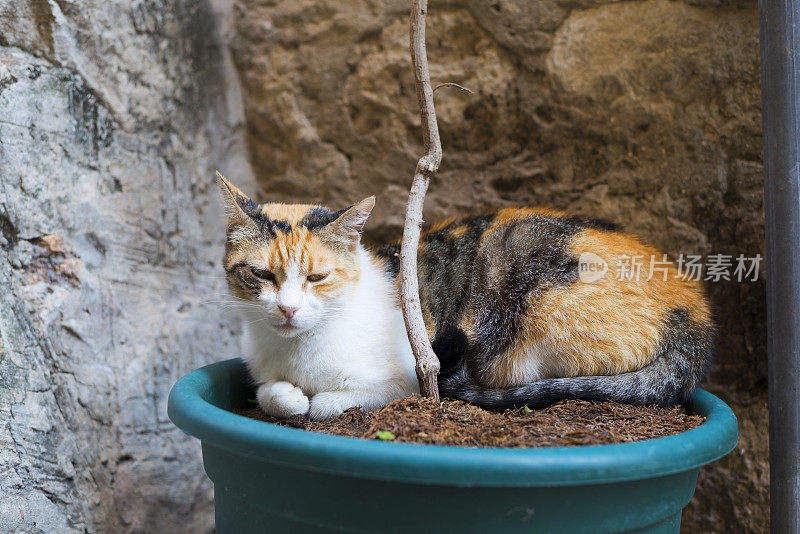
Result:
229,299
230,303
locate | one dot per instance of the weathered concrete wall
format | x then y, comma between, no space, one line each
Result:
113,117
647,112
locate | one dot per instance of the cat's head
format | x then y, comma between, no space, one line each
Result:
296,261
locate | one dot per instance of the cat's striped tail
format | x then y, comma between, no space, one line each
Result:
669,379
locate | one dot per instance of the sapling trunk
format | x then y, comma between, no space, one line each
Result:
427,362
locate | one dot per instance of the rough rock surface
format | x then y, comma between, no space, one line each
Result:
646,112
113,117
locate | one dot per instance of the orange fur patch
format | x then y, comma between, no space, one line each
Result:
438,225
459,231
291,213
507,216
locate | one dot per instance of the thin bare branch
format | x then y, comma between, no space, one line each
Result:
427,361
451,84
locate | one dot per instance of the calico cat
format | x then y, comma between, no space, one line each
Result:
509,315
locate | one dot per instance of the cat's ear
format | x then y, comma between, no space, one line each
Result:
347,227
237,204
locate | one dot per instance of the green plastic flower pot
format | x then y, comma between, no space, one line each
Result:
276,479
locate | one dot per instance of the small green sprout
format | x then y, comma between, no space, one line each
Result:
384,435
525,409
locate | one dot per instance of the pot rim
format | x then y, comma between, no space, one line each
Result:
190,410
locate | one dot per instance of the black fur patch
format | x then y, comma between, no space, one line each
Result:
688,350
246,204
269,227
391,254
447,265
591,222
450,345
319,217
447,269
281,225
518,262
443,256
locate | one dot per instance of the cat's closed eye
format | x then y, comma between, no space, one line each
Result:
263,274
316,277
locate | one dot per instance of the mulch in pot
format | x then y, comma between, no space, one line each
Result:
451,422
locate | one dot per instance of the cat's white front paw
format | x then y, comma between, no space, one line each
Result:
282,399
329,404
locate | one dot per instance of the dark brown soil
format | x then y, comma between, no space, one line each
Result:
450,422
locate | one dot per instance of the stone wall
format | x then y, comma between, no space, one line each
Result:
113,117
646,112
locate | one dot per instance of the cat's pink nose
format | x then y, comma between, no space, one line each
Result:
288,311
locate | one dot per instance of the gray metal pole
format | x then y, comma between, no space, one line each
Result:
780,84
